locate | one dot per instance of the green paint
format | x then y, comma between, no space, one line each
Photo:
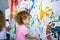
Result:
32,22
14,28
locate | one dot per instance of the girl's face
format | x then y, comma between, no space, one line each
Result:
27,20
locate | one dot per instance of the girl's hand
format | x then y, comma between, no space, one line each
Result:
8,29
37,37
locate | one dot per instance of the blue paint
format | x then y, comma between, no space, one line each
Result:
41,29
24,0
57,0
52,0
32,6
57,29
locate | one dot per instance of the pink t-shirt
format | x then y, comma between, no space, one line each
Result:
21,32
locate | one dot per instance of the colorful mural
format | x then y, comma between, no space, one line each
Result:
42,13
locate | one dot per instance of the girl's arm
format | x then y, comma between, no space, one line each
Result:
32,37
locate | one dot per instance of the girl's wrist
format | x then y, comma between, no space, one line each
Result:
34,37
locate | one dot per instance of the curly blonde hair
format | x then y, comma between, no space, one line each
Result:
21,16
2,20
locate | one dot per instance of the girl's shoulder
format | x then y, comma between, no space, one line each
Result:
3,30
22,26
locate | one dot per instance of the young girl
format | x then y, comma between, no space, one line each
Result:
23,18
2,27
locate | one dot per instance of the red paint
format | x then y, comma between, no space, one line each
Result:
47,31
12,3
16,3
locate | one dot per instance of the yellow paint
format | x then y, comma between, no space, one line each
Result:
48,8
16,10
41,14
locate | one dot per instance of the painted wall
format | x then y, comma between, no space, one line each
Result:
36,25
3,5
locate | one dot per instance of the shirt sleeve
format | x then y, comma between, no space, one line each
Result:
25,30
